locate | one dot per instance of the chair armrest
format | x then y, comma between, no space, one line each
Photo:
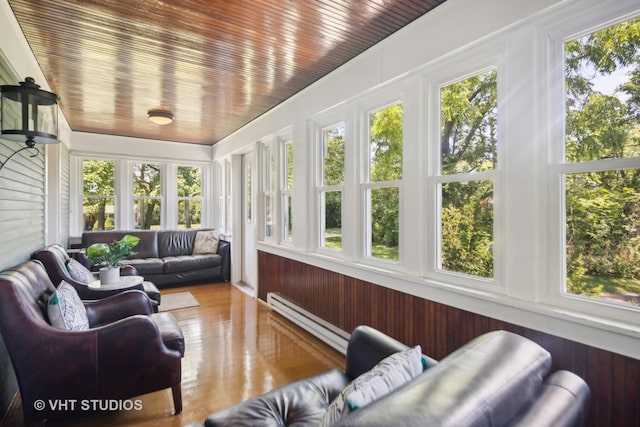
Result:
224,250
128,270
117,307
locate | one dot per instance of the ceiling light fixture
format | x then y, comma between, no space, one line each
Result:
160,116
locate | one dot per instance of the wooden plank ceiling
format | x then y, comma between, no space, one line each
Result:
216,64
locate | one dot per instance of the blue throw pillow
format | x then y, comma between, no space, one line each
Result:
79,272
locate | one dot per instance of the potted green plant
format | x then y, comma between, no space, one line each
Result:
108,256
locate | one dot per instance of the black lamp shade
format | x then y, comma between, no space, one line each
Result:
29,114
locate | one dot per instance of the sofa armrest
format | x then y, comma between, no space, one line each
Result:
301,403
562,402
224,250
117,307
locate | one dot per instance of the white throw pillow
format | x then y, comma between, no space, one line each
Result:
66,310
386,376
79,272
206,242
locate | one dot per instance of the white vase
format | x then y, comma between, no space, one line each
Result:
109,275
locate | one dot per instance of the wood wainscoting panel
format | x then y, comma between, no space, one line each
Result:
440,329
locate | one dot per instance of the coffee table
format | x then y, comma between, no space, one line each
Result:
125,283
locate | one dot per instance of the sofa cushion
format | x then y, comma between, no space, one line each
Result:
147,247
79,272
175,242
391,373
146,266
206,242
66,310
178,264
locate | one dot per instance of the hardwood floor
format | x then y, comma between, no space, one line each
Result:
236,348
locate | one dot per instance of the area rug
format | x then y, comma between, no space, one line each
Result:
177,301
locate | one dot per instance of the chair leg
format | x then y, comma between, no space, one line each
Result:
177,398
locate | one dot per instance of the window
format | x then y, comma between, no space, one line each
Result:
98,204
227,191
268,191
147,195
468,159
382,184
332,186
189,197
600,172
287,191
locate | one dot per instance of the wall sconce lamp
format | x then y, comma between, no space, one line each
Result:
160,116
28,114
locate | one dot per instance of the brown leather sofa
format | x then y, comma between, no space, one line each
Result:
498,379
55,259
165,257
127,351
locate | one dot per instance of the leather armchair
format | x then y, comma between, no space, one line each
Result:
55,258
126,352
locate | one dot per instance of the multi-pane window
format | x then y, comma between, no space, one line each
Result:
465,185
147,196
227,191
332,186
287,191
189,197
98,204
382,183
268,191
601,173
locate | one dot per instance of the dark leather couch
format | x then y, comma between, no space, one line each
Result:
127,351
55,259
165,258
498,379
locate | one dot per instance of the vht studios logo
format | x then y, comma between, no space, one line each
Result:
87,405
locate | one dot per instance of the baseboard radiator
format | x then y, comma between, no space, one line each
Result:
335,337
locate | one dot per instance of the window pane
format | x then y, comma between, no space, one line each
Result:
268,213
288,151
385,144
147,213
288,228
333,155
146,179
189,182
468,125
99,213
268,169
602,74
384,223
98,177
189,213
603,235
467,227
332,208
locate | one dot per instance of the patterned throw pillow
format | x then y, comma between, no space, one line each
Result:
79,272
206,242
65,309
391,373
